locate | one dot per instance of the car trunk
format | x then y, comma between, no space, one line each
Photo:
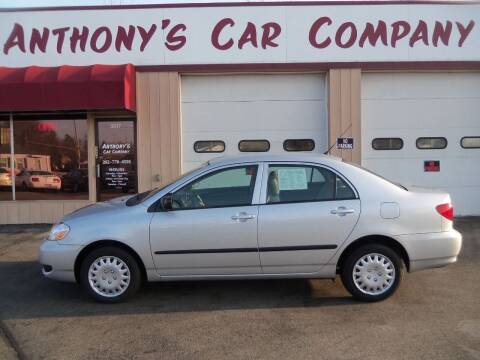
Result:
430,198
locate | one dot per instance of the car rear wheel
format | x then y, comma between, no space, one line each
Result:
372,272
110,274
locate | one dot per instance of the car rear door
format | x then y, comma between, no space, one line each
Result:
307,212
212,228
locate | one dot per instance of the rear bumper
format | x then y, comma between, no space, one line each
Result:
45,187
417,265
432,250
58,260
5,182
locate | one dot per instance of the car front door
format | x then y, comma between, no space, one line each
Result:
211,226
307,212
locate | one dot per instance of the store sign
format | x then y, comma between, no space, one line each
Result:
345,143
431,166
116,162
242,34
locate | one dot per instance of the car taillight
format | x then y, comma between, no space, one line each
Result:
35,179
446,210
56,179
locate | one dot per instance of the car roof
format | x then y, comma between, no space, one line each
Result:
262,157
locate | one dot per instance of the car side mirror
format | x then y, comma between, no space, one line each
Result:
166,202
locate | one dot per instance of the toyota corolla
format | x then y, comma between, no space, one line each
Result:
257,217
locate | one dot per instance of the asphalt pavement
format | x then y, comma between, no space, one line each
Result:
434,315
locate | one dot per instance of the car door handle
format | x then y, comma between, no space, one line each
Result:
243,216
342,211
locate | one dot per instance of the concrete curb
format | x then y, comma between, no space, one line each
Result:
9,348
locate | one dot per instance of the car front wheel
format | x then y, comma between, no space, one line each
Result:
372,272
110,274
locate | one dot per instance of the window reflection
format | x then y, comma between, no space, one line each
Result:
5,169
50,159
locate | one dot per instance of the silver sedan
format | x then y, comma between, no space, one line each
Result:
257,217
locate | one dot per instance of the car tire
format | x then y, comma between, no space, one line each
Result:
110,274
372,272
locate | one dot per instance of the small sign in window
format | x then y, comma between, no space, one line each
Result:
292,179
431,166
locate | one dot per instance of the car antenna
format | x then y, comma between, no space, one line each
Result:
341,135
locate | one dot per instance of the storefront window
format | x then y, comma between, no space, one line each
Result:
5,169
50,158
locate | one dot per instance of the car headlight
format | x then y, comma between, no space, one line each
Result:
58,232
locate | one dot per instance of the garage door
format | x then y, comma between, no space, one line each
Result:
421,118
269,109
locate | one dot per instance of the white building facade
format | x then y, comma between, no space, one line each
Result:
132,96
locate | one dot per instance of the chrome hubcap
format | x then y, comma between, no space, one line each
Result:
374,274
109,276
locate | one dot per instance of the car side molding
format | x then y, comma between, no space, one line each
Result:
240,250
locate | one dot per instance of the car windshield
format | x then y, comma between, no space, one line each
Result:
380,176
141,197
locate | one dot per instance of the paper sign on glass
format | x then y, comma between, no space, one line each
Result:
292,179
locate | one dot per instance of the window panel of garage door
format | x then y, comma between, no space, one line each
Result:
299,145
470,142
387,144
430,143
254,145
209,146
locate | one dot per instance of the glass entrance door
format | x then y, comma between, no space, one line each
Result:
116,158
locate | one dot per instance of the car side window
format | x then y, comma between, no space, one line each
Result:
302,183
222,188
343,191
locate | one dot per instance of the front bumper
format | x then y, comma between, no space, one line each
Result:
432,250
58,260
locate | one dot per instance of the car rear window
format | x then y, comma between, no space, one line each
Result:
380,176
